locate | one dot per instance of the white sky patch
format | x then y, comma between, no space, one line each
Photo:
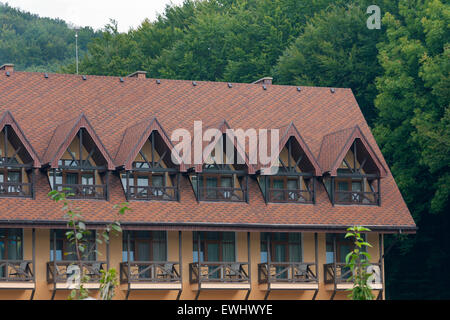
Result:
96,13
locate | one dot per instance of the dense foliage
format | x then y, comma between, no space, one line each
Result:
399,74
38,44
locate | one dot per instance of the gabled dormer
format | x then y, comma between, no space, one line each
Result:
145,163
17,159
293,181
219,178
77,161
352,171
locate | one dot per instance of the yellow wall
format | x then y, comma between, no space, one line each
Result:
44,290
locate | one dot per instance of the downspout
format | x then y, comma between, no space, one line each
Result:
249,266
33,240
54,264
198,264
316,258
128,263
334,267
269,250
180,258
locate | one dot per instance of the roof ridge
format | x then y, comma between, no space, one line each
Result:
176,80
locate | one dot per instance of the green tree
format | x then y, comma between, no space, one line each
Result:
335,49
38,44
413,132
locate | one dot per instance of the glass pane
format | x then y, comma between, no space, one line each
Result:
158,181
292,184
295,252
228,253
211,183
212,250
280,253
159,251
143,251
277,184
356,186
87,179
71,178
13,176
142,181
343,186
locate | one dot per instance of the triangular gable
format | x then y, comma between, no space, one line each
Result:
134,139
292,131
64,135
223,126
8,119
335,146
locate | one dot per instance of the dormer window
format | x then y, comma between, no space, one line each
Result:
294,180
81,170
219,181
16,165
152,174
357,180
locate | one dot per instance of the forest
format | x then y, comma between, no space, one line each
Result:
398,73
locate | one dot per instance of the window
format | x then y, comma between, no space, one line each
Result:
13,178
286,247
11,245
219,187
343,247
215,246
289,189
148,185
64,250
145,246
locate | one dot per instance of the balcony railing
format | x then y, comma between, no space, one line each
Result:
63,271
153,193
356,197
16,270
222,194
287,272
342,274
149,271
16,189
226,272
290,195
82,191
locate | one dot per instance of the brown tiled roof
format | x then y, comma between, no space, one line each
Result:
291,131
335,145
63,136
8,119
40,105
134,139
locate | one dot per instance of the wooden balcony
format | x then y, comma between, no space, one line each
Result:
289,275
157,275
16,274
152,193
62,273
339,277
290,196
222,194
220,275
356,197
82,191
16,189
